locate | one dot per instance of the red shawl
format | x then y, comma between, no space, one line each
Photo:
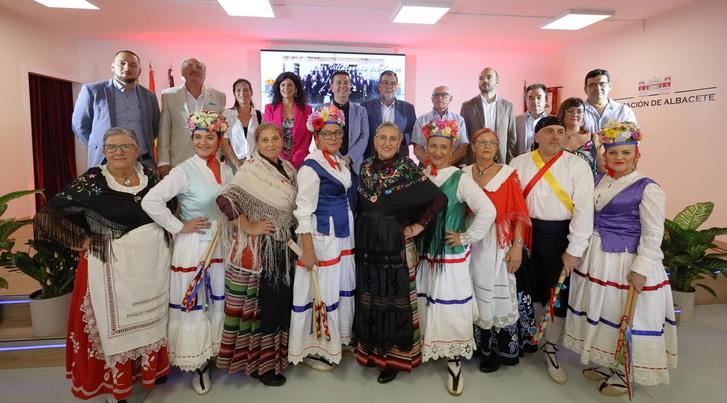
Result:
511,209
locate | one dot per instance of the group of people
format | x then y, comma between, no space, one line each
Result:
319,234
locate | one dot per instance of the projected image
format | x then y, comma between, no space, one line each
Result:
315,70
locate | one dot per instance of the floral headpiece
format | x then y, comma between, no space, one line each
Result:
210,121
324,115
441,128
617,133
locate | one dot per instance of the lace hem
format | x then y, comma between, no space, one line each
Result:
642,376
500,322
189,364
90,328
332,357
447,349
143,352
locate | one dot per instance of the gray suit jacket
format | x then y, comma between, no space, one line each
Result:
523,144
175,141
474,120
94,113
358,134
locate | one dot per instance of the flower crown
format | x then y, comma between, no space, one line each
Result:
618,133
324,115
441,128
210,121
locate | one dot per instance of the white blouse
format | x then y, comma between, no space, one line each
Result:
576,178
243,145
651,214
468,192
308,187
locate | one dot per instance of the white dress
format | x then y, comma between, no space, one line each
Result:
194,336
336,268
599,289
445,296
495,288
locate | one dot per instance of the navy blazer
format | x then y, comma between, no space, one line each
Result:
94,112
404,117
358,134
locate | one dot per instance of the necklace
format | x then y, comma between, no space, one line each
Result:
126,181
481,172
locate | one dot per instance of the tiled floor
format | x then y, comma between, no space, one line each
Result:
700,377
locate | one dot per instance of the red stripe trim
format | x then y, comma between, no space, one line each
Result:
618,285
192,269
456,260
331,262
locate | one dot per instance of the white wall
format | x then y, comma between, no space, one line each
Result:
26,47
685,145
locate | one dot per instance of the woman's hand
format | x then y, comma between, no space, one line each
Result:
410,231
452,239
198,225
308,258
262,227
637,280
514,258
570,263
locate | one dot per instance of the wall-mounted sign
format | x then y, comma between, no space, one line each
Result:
658,92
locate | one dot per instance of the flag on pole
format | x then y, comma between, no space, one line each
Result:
170,77
152,85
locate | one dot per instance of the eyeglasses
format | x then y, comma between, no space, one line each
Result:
110,148
602,84
326,134
482,143
440,95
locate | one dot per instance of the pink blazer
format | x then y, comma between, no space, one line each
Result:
301,136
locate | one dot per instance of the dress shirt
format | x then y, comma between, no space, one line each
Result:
490,110
614,111
387,112
195,104
418,138
575,177
530,123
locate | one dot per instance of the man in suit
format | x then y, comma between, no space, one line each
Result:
536,95
387,108
493,112
175,144
118,102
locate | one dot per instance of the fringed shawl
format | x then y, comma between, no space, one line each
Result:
260,191
89,208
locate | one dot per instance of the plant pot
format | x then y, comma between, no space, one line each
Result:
685,300
49,316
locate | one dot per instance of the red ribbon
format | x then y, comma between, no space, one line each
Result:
214,165
432,168
331,161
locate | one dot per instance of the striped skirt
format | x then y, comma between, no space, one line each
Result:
257,319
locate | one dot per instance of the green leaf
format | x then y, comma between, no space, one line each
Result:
714,232
4,199
693,216
3,283
709,290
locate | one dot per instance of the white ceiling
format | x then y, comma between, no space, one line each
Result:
502,25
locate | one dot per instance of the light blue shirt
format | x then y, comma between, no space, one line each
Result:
418,138
614,111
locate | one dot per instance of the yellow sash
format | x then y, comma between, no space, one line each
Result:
560,193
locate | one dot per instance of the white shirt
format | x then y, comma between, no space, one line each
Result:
195,104
529,134
418,138
490,109
309,184
651,214
468,192
614,111
243,145
575,177
387,112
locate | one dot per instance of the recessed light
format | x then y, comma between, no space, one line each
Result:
576,19
79,4
247,8
421,12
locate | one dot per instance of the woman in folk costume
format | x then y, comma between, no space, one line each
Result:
496,258
558,190
325,229
396,202
446,302
195,314
258,278
625,251
123,269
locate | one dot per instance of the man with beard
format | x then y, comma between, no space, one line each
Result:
178,103
387,108
118,102
488,110
599,108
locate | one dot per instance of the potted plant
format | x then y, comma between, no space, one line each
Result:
8,226
690,254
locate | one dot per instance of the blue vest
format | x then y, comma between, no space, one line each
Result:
332,202
618,223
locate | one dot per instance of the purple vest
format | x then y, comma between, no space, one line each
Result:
332,202
618,222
